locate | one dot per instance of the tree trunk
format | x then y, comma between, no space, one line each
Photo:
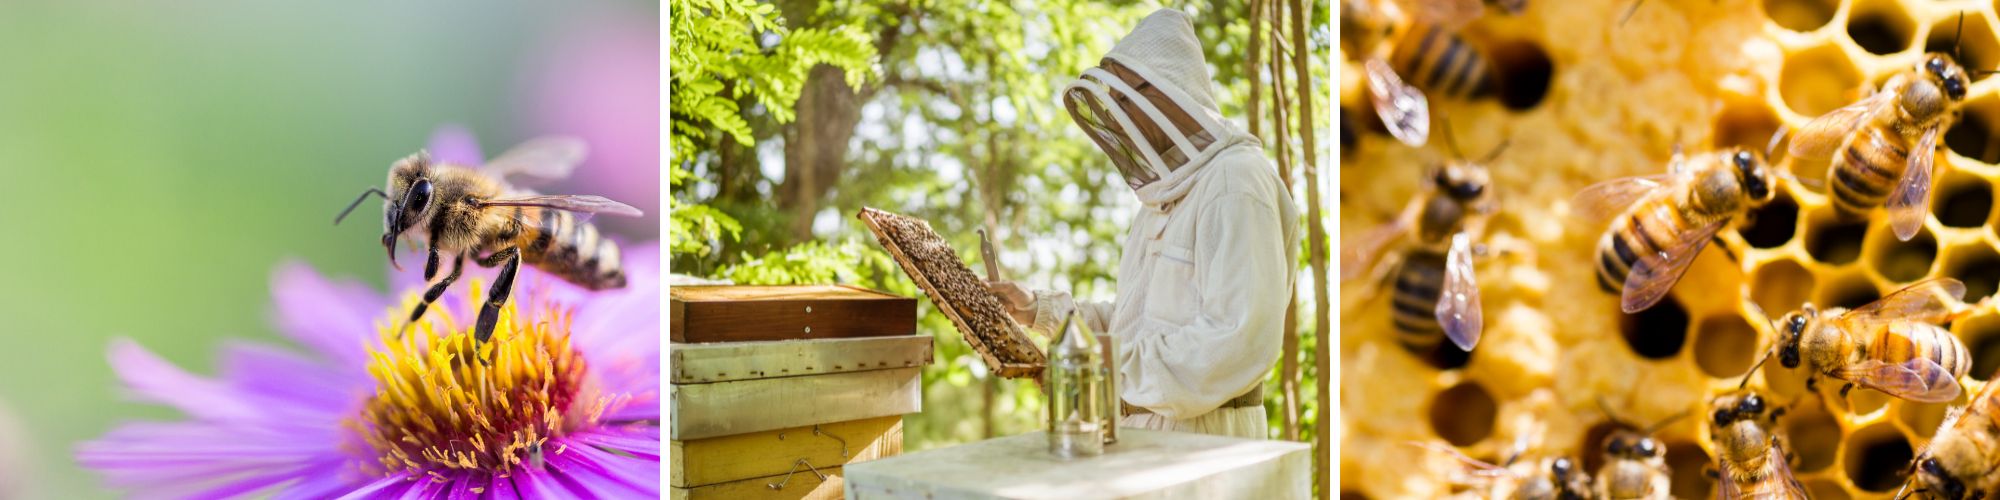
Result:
816,146
1288,372
1323,317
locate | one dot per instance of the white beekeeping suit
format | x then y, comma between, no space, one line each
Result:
1208,264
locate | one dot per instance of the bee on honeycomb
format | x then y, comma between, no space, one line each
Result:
1587,98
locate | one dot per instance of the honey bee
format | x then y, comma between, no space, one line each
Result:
1960,462
1635,464
1888,142
1428,50
1663,221
1751,463
1435,290
464,211
1551,479
1893,345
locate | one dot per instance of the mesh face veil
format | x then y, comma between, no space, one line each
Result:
1098,102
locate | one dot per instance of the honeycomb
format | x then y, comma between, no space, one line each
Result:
1584,99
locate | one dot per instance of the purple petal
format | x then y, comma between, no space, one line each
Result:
639,440
454,144
587,468
388,487
291,379
334,318
325,483
155,380
206,459
538,484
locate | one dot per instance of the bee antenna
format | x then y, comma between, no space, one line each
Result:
1669,420
357,202
1450,139
1753,369
1634,9
1957,37
1601,406
1495,154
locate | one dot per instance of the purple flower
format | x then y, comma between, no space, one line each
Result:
561,402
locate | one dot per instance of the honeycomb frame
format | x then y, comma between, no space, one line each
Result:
1707,75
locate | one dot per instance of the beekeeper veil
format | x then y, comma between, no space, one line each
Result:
1148,106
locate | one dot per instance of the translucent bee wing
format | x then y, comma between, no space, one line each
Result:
1513,7
542,158
1923,301
1449,14
1402,107
1474,467
1820,137
1919,379
1654,275
583,203
1781,474
1358,253
1604,200
1909,204
1458,310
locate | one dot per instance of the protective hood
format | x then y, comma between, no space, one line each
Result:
1165,55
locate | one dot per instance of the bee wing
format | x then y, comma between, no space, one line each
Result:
1513,7
1781,474
1458,309
1604,200
1451,14
541,158
1475,467
1919,379
1402,107
1910,202
584,203
1923,301
1355,257
1819,137
1653,275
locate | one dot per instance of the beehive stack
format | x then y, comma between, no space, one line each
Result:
777,389
1712,74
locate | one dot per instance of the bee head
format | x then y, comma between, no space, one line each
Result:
1561,468
1936,480
1758,179
1462,181
1793,329
1632,446
409,197
1949,75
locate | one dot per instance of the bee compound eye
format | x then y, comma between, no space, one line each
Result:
1721,417
1649,448
1752,405
1614,446
1561,467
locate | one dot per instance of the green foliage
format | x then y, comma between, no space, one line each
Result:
721,55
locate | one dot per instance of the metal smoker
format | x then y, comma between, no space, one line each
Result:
1081,410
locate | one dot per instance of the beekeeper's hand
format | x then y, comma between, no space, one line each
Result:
1020,303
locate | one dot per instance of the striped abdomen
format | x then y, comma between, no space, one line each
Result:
1418,285
1900,341
1867,169
1440,62
556,242
1647,229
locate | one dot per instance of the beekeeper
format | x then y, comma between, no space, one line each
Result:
1209,260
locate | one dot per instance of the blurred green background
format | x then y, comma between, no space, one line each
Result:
159,160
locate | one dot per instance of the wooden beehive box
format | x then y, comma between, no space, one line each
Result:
731,313
776,389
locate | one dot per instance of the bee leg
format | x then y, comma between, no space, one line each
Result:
1711,472
431,264
1845,388
1812,383
489,314
434,292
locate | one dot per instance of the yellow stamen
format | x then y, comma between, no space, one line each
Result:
446,401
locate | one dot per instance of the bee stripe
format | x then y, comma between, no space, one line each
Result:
1419,283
